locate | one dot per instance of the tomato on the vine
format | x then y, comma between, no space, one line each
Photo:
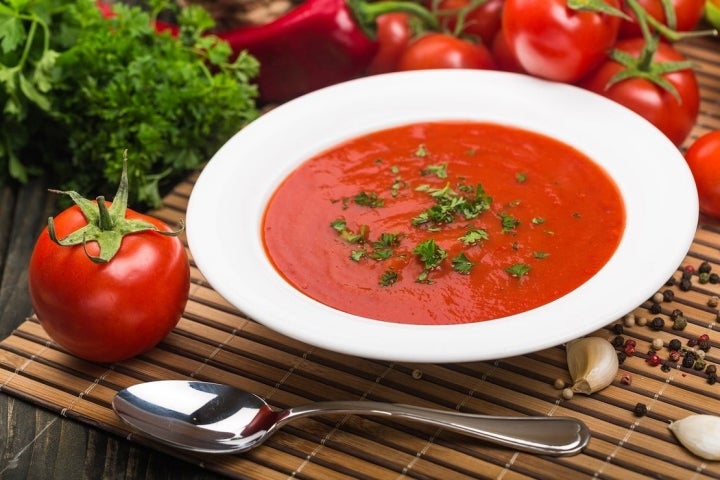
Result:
441,50
481,19
674,115
703,158
108,283
687,15
553,41
393,36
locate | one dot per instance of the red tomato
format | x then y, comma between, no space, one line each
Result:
703,157
552,41
687,15
504,58
482,21
108,312
393,36
440,50
674,118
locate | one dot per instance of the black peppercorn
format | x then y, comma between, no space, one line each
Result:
618,341
666,366
618,329
621,357
676,313
685,284
712,379
655,308
688,360
668,295
657,323
711,369
674,344
704,267
714,278
704,345
640,410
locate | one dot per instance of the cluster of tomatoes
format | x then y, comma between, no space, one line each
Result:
622,49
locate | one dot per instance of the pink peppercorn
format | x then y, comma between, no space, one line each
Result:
653,359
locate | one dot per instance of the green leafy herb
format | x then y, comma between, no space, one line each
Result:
430,253
462,264
357,255
77,89
474,236
508,222
520,177
541,255
538,220
518,270
440,171
421,151
371,200
388,277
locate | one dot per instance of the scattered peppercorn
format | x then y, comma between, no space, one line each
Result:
629,320
685,285
712,379
657,323
713,301
674,344
700,364
653,359
567,393
626,378
704,345
692,342
640,410
670,282
704,278
688,269
641,321
668,295
714,278
617,329
629,347
655,308
559,383
688,360
666,366
674,356
711,369
657,344
618,341
657,297
704,267
679,322
621,357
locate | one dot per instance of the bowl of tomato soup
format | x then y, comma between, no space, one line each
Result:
392,217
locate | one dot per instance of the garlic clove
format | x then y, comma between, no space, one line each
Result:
592,363
700,434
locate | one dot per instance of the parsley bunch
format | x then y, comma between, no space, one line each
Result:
77,89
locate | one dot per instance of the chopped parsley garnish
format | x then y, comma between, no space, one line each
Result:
518,270
462,264
448,204
541,255
430,254
538,220
388,277
440,171
421,151
474,236
357,255
520,177
371,200
348,235
508,222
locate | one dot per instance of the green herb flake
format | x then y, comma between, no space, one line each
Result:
388,278
508,222
357,255
538,220
520,177
474,236
540,255
370,199
462,264
518,270
338,225
421,151
430,253
440,171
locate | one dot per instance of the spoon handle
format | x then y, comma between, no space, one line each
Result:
544,435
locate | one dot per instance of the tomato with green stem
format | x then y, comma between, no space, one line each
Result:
678,15
653,79
442,50
560,40
481,19
393,34
703,158
108,283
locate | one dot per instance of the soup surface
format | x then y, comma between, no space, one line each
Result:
443,223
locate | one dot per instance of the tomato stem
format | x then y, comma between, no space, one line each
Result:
105,221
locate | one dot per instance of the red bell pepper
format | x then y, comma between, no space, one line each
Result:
318,43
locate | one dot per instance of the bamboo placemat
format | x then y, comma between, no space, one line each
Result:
215,342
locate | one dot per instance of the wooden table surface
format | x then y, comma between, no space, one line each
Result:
36,443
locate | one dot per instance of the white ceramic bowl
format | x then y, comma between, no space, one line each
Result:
226,208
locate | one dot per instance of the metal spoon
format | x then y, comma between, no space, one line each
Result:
216,418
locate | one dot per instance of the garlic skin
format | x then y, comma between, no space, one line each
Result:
700,434
592,363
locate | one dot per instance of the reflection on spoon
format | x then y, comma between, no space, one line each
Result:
216,418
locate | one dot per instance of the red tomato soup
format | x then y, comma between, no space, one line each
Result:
443,223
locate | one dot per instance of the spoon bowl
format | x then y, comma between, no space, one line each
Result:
216,418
